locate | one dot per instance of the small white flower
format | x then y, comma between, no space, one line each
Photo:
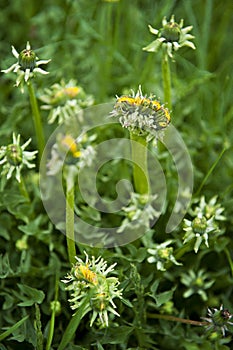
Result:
162,254
196,283
199,229
26,66
172,36
14,157
139,212
69,152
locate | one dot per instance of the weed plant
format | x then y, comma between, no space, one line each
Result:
162,289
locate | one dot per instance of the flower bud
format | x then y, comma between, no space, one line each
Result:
100,302
14,154
221,317
27,59
199,225
55,305
199,282
165,253
171,32
21,244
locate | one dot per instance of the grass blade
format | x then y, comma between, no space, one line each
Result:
13,328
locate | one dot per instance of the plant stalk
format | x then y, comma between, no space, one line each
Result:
52,320
70,221
178,319
166,74
140,167
37,120
23,189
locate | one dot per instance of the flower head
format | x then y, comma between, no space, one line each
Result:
27,65
139,212
210,209
196,283
141,115
172,36
14,157
89,279
218,320
199,229
68,151
204,222
64,101
162,254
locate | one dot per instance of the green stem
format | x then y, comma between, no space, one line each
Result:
139,159
72,327
37,120
166,73
23,189
210,171
181,251
52,321
70,221
228,255
184,249
178,319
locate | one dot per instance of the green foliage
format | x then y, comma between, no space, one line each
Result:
99,44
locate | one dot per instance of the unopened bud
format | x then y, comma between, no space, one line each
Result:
14,154
27,59
199,225
171,32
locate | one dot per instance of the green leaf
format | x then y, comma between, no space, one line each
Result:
116,335
5,225
5,268
154,286
73,324
164,297
31,295
127,302
13,328
16,205
9,301
99,346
